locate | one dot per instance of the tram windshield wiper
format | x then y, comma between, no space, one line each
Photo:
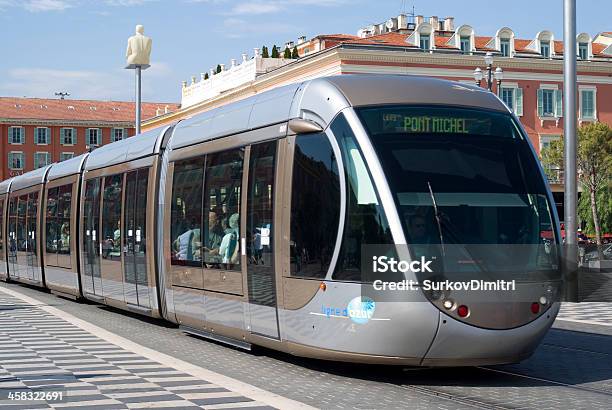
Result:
445,225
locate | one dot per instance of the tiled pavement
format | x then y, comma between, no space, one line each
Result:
40,352
572,368
598,313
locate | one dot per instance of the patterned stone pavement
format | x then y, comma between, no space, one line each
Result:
43,357
572,368
597,313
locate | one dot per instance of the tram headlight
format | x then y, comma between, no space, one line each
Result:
543,300
448,304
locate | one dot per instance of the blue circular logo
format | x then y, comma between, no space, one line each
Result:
361,309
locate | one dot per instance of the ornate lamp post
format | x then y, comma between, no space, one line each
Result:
498,74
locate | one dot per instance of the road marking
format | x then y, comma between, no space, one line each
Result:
245,389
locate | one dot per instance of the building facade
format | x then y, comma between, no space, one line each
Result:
35,132
532,83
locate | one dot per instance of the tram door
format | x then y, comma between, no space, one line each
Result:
136,286
259,240
91,279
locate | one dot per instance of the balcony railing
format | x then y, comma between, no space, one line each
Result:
554,175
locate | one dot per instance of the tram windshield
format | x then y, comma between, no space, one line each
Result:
467,188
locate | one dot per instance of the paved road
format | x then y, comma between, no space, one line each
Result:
571,369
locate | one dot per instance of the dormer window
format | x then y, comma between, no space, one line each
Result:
504,47
465,44
545,49
583,51
425,42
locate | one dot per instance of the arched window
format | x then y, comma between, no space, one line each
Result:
504,42
584,46
545,42
464,39
425,36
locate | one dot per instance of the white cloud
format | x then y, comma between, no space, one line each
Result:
239,28
256,8
45,5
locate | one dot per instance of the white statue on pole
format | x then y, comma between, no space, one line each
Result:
139,48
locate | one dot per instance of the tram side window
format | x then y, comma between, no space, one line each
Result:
222,203
186,214
2,229
51,228
366,222
12,229
31,229
315,206
111,217
22,238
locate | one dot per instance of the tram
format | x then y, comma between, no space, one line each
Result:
245,224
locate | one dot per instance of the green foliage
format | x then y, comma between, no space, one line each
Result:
275,53
294,53
594,166
218,70
287,53
264,52
206,76
604,210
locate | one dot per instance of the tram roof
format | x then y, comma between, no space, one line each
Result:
371,89
322,98
129,149
30,178
68,167
5,185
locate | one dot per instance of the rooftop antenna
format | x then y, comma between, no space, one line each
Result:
62,94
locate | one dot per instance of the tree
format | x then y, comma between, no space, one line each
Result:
218,70
604,210
206,76
287,53
275,52
294,53
594,166
264,52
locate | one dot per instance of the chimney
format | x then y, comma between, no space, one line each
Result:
449,24
222,67
166,109
158,111
256,52
184,83
433,20
202,76
245,56
291,44
301,40
402,22
193,79
418,20
233,62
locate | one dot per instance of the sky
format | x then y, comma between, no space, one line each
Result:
78,46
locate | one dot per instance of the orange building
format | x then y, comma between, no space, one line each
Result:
35,132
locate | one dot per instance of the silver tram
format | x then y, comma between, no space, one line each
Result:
245,223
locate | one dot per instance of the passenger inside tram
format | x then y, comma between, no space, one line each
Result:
228,249
187,245
65,239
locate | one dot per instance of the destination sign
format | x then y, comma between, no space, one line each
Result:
426,124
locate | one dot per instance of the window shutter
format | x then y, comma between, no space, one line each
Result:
99,136
518,103
22,135
74,136
559,103
540,103
48,135
10,160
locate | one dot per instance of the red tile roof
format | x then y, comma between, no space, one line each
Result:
521,46
599,48
82,110
481,43
442,42
389,39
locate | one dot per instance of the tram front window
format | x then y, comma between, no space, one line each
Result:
467,188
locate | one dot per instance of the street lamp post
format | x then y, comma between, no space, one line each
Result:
490,74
